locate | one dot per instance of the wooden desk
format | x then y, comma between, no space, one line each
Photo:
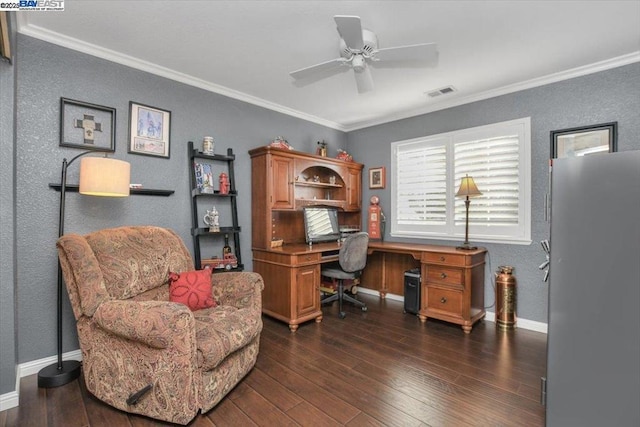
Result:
452,285
291,276
452,280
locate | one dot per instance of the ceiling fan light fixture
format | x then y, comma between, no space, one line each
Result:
358,63
359,46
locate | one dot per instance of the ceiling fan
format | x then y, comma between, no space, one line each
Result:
359,49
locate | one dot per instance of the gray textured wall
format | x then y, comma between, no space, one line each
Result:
47,72
607,96
7,223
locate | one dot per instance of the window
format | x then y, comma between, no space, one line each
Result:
426,173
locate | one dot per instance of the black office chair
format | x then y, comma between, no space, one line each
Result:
352,260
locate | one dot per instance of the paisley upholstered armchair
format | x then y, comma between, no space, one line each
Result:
143,353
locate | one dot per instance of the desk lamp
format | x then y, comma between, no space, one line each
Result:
467,189
99,176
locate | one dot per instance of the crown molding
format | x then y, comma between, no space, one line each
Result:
91,49
52,37
504,90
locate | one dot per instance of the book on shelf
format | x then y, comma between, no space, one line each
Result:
197,169
204,177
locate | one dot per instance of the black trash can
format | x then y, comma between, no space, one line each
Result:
412,291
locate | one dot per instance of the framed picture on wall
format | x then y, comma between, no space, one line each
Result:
87,126
377,177
149,130
583,141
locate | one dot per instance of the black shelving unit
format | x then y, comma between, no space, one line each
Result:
199,233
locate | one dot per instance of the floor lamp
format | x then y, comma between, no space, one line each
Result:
467,189
99,176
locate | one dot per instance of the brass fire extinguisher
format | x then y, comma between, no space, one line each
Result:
505,298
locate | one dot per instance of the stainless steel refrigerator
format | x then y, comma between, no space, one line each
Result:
593,355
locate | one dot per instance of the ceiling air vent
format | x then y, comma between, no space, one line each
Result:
441,91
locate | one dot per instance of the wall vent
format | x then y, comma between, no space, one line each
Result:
441,91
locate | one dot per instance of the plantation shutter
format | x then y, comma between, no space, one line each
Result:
422,184
494,165
426,174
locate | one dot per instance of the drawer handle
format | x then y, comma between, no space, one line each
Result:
443,300
308,258
443,275
442,258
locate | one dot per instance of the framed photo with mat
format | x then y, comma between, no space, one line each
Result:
377,177
87,126
149,130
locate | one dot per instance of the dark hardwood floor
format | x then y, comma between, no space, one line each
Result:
380,368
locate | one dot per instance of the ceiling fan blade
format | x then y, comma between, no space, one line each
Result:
350,30
364,81
324,68
425,52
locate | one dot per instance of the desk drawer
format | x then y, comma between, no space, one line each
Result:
443,258
280,258
306,258
444,300
445,276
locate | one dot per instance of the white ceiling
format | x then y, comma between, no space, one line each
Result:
246,49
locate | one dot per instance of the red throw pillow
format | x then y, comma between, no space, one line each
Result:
192,288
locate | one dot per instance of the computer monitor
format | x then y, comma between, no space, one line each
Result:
321,224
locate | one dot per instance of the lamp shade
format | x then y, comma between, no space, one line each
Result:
102,176
468,188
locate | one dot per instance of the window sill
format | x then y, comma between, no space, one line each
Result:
472,239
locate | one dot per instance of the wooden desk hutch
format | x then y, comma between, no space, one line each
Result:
285,181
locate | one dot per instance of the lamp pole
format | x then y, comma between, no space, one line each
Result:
466,243
62,372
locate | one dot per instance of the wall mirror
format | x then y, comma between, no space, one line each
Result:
583,141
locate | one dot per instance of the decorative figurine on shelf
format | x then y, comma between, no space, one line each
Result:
226,249
224,183
343,155
322,149
208,146
212,219
280,142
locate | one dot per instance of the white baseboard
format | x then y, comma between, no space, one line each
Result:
8,400
11,399
376,293
531,325
33,367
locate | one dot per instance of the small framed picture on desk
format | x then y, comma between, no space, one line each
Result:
377,177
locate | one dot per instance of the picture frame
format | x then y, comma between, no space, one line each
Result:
149,130
377,177
87,126
585,140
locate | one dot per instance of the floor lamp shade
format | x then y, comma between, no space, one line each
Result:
102,176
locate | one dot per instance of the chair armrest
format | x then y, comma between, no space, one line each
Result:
238,289
154,323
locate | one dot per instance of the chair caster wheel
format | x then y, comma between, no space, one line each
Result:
364,308
342,315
